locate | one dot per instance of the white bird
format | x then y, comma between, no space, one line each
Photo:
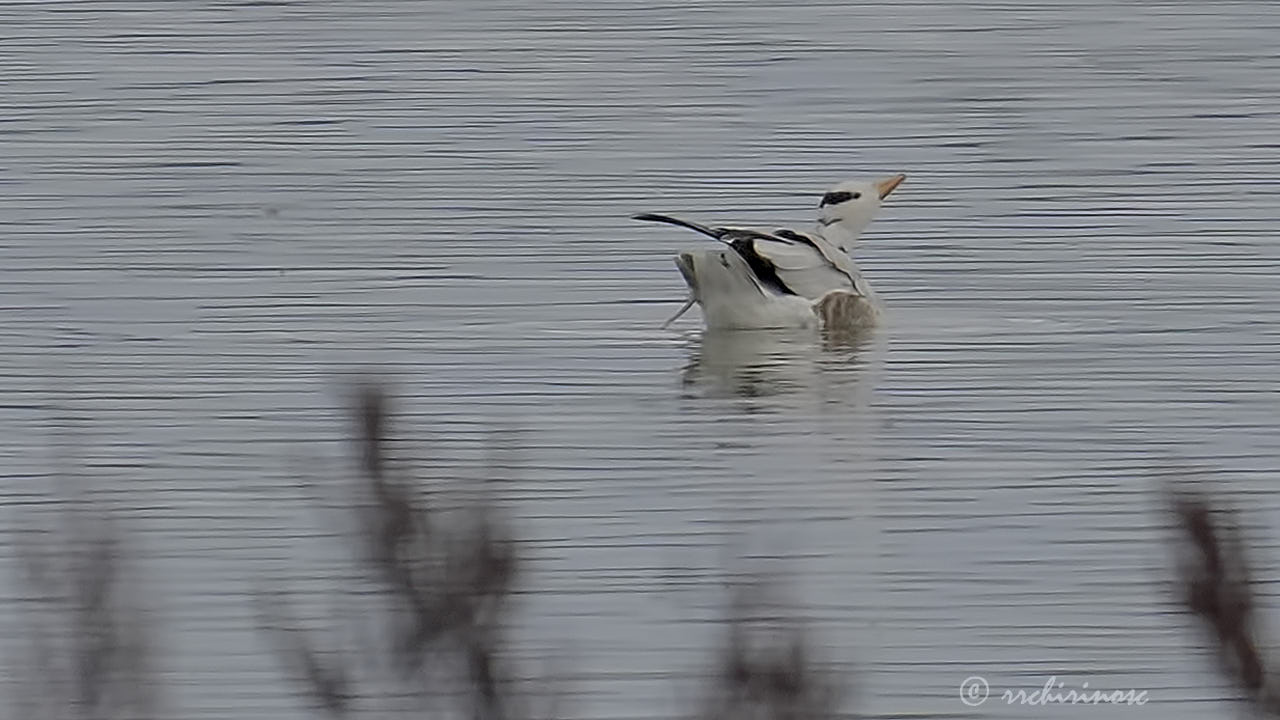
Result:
786,278
733,297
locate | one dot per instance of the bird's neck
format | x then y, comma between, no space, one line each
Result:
841,235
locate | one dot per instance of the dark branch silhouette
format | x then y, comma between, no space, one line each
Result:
88,637
765,669
1216,586
442,573
445,577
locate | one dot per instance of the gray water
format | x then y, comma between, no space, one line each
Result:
215,214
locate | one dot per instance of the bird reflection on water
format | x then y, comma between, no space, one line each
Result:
766,363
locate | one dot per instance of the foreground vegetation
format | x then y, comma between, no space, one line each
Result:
440,575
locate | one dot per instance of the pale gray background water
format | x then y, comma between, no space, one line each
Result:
213,213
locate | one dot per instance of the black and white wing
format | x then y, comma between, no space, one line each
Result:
812,266
744,242
786,261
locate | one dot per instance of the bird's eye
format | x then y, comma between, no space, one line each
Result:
724,260
836,197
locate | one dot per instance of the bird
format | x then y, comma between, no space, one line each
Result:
785,278
733,297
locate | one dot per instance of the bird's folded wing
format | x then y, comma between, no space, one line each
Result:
841,261
810,265
729,234
790,256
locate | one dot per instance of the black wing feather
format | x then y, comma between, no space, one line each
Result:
716,233
760,265
789,234
725,234
742,241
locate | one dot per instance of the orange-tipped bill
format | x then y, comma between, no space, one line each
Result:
887,186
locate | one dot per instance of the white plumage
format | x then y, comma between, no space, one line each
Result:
786,278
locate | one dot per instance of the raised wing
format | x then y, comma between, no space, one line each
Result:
742,240
724,234
785,261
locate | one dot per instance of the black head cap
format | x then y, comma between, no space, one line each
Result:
835,197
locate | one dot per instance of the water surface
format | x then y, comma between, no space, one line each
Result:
214,214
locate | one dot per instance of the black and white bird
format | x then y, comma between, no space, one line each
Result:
785,277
